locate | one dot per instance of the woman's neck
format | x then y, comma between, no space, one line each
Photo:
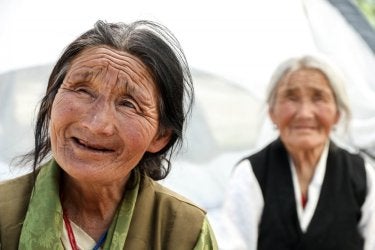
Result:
92,207
305,162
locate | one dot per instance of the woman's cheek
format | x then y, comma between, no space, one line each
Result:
286,110
66,108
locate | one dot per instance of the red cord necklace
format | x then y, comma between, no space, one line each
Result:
71,237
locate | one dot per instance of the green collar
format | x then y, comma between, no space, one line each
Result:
42,228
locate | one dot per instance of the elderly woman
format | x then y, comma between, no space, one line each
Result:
112,115
302,191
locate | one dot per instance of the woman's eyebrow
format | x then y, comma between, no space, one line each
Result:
129,84
82,74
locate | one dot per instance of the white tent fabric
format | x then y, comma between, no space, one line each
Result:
337,39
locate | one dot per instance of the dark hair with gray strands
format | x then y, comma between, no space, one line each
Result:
160,51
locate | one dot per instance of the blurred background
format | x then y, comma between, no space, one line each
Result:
232,47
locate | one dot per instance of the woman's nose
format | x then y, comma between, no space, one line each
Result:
100,118
305,109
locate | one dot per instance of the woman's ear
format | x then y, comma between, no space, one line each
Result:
272,115
337,118
160,141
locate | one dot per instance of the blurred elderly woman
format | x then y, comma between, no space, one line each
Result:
302,191
113,113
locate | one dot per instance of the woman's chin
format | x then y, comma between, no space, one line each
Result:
308,142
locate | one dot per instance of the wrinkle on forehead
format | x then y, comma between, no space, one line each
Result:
97,65
117,59
305,76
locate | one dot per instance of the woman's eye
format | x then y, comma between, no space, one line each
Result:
318,97
128,103
291,97
83,90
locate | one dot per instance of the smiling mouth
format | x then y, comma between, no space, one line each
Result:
304,129
87,146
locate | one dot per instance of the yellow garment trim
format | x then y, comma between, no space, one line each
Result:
206,239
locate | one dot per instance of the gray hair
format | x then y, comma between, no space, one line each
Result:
333,74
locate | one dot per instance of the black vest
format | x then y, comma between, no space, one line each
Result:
334,225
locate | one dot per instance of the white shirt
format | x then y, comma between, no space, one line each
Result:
83,240
244,204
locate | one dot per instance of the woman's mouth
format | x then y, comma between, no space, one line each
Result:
92,146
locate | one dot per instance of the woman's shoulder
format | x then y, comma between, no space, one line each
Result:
168,196
17,186
160,210
15,195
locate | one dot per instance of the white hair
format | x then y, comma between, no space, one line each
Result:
333,74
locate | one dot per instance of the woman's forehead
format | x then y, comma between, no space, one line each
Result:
100,59
105,56
304,76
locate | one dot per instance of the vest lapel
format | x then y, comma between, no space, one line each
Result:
282,174
325,210
334,223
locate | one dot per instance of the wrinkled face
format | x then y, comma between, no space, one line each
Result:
305,109
104,116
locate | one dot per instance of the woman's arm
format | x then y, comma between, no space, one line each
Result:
367,223
242,210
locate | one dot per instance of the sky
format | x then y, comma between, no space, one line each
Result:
241,41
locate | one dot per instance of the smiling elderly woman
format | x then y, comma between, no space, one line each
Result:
112,115
302,191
